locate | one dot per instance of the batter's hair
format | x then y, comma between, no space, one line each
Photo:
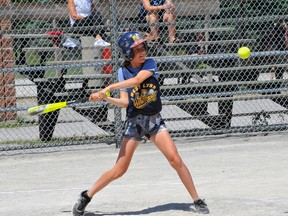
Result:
125,63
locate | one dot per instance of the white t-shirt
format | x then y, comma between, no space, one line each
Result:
83,8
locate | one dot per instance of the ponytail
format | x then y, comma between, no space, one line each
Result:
125,63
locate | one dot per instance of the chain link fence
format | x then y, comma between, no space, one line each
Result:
50,52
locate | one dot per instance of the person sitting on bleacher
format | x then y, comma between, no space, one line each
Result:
154,10
278,42
82,13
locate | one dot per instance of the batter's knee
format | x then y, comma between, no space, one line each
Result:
176,162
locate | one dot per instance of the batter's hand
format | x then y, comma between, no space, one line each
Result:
95,97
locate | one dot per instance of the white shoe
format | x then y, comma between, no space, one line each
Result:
101,43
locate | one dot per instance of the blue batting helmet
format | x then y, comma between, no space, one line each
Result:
129,40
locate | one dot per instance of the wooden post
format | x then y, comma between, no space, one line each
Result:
7,79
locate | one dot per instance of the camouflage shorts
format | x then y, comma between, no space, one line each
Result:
143,125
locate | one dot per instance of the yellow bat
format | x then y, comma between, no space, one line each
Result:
46,108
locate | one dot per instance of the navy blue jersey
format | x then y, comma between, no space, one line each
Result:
145,98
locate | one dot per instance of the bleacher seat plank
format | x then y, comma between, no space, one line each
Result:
210,42
48,49
173,101
75,77
229,83
104,61
205,30
214,70
87,76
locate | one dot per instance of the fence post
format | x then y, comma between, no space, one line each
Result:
7,79
115,58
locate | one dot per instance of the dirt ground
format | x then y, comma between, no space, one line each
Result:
237,175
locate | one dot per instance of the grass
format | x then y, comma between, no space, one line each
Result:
34,59
20,121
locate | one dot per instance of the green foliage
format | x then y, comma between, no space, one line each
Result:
178,53
202,66
37,24
33,25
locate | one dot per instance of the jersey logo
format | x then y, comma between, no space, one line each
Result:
143,95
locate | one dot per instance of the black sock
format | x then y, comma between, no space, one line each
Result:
85,195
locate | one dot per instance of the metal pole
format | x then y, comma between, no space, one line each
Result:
114,27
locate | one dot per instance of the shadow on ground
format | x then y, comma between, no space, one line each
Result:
155,209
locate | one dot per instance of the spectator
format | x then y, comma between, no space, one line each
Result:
140,95
83,13
278,42
154,10
278,35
